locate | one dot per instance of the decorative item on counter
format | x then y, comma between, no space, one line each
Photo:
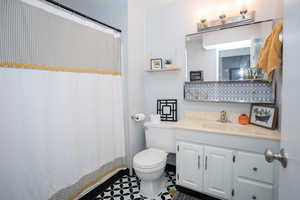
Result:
156,64
243,119
264,116
167,109
168,63
196,75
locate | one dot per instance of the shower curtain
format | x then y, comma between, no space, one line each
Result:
61,111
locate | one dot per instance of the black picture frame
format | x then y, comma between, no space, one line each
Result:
167,109
160,60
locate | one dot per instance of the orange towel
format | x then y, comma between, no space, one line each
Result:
271,54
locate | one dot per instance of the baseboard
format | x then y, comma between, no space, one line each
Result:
194,193
97,190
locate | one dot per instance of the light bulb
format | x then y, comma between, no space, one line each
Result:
204,15
243,7
223,9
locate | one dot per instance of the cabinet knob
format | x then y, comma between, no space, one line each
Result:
255,169
254,197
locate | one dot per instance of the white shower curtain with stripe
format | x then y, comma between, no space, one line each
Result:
55,126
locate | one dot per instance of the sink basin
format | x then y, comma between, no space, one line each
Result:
216,125
227,127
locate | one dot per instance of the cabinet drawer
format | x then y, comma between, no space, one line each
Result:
254,166
250,190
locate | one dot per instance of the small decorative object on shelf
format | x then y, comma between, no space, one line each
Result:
156,64
167,109
196,76
264,116
243,119
168,63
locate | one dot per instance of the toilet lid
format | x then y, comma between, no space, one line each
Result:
150,158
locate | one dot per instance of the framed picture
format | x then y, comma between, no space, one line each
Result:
156,63
167,109
264,116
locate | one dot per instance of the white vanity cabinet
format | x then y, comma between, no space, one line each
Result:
225,166
191,165
205,169
218,172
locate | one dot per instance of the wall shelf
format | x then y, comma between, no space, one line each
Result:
164,69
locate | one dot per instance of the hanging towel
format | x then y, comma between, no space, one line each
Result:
270,56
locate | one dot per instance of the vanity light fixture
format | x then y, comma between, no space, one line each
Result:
205,25
225,21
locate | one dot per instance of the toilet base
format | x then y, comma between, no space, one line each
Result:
152,189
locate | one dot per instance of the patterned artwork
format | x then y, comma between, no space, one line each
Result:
128,188
167,109
265,116
232,92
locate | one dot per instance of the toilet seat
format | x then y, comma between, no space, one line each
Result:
150,159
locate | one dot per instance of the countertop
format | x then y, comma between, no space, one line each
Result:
221,128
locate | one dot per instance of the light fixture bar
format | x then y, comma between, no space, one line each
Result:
234,21
211,29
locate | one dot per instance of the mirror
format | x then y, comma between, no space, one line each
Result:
226,55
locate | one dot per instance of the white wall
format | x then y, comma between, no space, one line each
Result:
167,24
113,13
136,57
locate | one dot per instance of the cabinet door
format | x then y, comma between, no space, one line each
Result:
218,172
254,167
190,165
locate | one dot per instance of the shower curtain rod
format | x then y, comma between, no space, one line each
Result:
82,15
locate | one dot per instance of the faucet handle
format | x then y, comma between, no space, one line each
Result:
223,113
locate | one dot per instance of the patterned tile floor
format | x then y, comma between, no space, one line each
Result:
128,188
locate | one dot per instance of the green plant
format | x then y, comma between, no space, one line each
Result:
168,62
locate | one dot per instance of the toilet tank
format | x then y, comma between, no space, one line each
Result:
160,136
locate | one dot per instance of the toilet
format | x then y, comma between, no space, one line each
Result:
149,165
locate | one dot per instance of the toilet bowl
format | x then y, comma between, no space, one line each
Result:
149,166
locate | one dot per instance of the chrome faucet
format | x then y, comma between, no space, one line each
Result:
223,117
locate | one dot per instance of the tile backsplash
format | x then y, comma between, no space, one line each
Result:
230,91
